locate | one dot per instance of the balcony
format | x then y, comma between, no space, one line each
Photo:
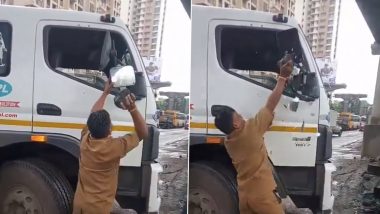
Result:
314,32
30,3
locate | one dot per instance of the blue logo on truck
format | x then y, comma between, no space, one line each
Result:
5,88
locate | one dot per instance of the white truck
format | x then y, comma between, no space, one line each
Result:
234,61
53,64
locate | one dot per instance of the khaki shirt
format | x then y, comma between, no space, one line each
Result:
249,156
98,171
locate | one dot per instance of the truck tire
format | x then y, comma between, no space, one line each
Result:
34,186
212,189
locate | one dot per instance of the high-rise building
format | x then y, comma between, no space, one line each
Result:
286,7
96,6
145,19
320,21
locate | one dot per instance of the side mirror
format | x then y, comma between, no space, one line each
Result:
139,89
122,76
118,100
311,87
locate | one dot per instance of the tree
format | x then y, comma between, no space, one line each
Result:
336,106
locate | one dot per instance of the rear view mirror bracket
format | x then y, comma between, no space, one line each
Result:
305,86
139,88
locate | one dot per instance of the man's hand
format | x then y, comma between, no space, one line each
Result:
141,128
99,104
286,69
129,102
107,87
286,66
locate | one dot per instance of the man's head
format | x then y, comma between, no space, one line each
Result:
99,124
226,118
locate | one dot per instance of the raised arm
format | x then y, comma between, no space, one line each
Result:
138,120
285,71
99,104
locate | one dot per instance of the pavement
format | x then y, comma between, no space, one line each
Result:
173,157
353,186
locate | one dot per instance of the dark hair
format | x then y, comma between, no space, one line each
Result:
223,118
99,124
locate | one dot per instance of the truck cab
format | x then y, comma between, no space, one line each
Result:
54,64
234,63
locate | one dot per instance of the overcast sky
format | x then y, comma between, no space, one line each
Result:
176,53
357,67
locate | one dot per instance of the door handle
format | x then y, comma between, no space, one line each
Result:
48,109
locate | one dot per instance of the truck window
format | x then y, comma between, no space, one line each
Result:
76,53
5,48
250,53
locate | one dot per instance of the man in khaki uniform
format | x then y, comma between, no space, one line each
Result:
100,155
245,145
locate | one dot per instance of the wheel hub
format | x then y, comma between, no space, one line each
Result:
200,202
20,200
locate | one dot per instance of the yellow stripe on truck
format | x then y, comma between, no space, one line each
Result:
16,122
272,128
202,125
58,125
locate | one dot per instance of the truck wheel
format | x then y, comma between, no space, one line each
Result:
340,134
212,189
34,186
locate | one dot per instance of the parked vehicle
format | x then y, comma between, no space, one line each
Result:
335,128
349,121
172,119
187,124
363,122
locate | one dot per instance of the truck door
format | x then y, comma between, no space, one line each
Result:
242,58
16,75
68,80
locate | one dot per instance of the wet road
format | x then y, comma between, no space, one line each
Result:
173,158
344,147
168,136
